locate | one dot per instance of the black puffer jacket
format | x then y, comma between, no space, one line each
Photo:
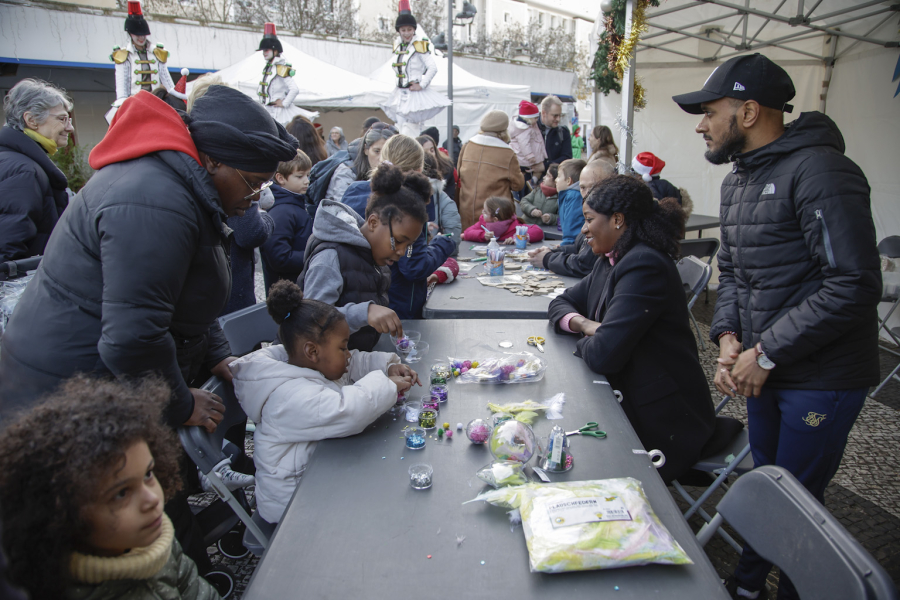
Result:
132,282
799,264
32,195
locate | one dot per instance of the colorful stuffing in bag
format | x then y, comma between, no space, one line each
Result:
509,368
584,525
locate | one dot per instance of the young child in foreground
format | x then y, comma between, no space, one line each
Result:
498,219
312,388
83,481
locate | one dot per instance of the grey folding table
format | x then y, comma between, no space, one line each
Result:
468,298
356,529
700,222
551,232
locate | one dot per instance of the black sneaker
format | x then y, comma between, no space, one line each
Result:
731,586
222,579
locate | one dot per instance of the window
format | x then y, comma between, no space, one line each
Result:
541,18
553,21
506,17
383,24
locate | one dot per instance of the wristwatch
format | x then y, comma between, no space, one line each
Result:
762,360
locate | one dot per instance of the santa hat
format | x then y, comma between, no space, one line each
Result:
646,164
448,271
181,86
134,22
405,17
270,39
528,110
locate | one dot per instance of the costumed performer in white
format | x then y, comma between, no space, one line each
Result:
139,65
412,102
277,88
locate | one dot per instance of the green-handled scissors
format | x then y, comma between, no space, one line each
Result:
592,429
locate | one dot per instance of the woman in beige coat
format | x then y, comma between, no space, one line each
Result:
487,167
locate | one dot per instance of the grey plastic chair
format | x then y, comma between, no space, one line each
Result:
705,249
890,247
782,521
695,276
205,449
246,328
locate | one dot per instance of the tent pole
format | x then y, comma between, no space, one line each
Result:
450,80
626,123
829,70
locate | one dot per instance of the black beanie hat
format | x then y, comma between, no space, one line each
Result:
231,128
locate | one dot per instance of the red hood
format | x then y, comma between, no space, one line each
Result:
143,124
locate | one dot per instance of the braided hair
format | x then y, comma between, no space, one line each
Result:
298,318
659,225
395,195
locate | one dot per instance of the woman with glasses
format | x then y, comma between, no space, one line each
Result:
368,157
32,189
137,271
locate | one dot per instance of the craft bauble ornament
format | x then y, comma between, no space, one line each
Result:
606,5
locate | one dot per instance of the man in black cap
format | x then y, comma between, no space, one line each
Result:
795,318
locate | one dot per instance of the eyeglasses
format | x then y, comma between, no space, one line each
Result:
66,120
265,185
394,242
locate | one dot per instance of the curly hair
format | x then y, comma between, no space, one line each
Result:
54,457
659,225
395,195
298,318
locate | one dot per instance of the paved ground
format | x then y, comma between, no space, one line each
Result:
864,495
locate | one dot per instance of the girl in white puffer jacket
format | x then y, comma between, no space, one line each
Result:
312,388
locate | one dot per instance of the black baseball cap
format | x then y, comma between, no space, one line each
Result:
748,77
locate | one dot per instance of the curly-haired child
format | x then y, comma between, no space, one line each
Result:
83,482
312,388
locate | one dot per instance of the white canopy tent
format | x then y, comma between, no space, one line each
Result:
473,96
322,85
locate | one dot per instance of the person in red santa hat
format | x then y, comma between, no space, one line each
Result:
649,166
527,142
412,102
140,65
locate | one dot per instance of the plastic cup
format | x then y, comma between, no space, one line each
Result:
413,408
418,351
406,342
420,476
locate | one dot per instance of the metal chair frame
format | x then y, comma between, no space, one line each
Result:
695,275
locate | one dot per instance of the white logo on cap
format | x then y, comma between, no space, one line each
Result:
738,87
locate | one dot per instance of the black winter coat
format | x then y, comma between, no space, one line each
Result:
284,251
558,142
799,263
132,282
662,188
646,349
573,260
32,196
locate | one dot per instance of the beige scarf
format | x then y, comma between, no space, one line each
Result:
139,563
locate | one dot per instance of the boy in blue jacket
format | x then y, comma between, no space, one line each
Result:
283,252
571,217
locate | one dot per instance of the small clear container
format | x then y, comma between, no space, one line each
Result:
420,476
431,404
428,419
478,431
406,342
413,408
441,370
415,438
440,393
417,353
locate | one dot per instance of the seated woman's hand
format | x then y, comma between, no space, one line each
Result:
404,371
536,257
384,320
584,325
208,410
402,383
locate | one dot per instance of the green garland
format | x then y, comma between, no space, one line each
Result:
605,78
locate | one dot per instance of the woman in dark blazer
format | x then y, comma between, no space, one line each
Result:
633,318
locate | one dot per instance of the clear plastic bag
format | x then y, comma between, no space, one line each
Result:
528,410
585,525
502,473
518,367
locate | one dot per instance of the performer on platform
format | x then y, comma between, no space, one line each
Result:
277,88
412,103
140,65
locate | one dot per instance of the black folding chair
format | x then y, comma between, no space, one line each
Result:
246,328
695,276
890,247
785,525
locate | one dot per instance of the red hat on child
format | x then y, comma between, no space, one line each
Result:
647,164
528,110
448,271
181,86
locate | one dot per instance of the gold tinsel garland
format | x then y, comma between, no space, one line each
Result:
622,48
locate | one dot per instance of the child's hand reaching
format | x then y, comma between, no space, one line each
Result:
404,371
508,242
402,383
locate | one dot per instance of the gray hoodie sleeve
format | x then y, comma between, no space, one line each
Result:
323,281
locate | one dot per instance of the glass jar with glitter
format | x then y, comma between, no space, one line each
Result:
428,419
440,393
415,438
420,476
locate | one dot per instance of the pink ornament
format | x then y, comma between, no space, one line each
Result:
464,369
